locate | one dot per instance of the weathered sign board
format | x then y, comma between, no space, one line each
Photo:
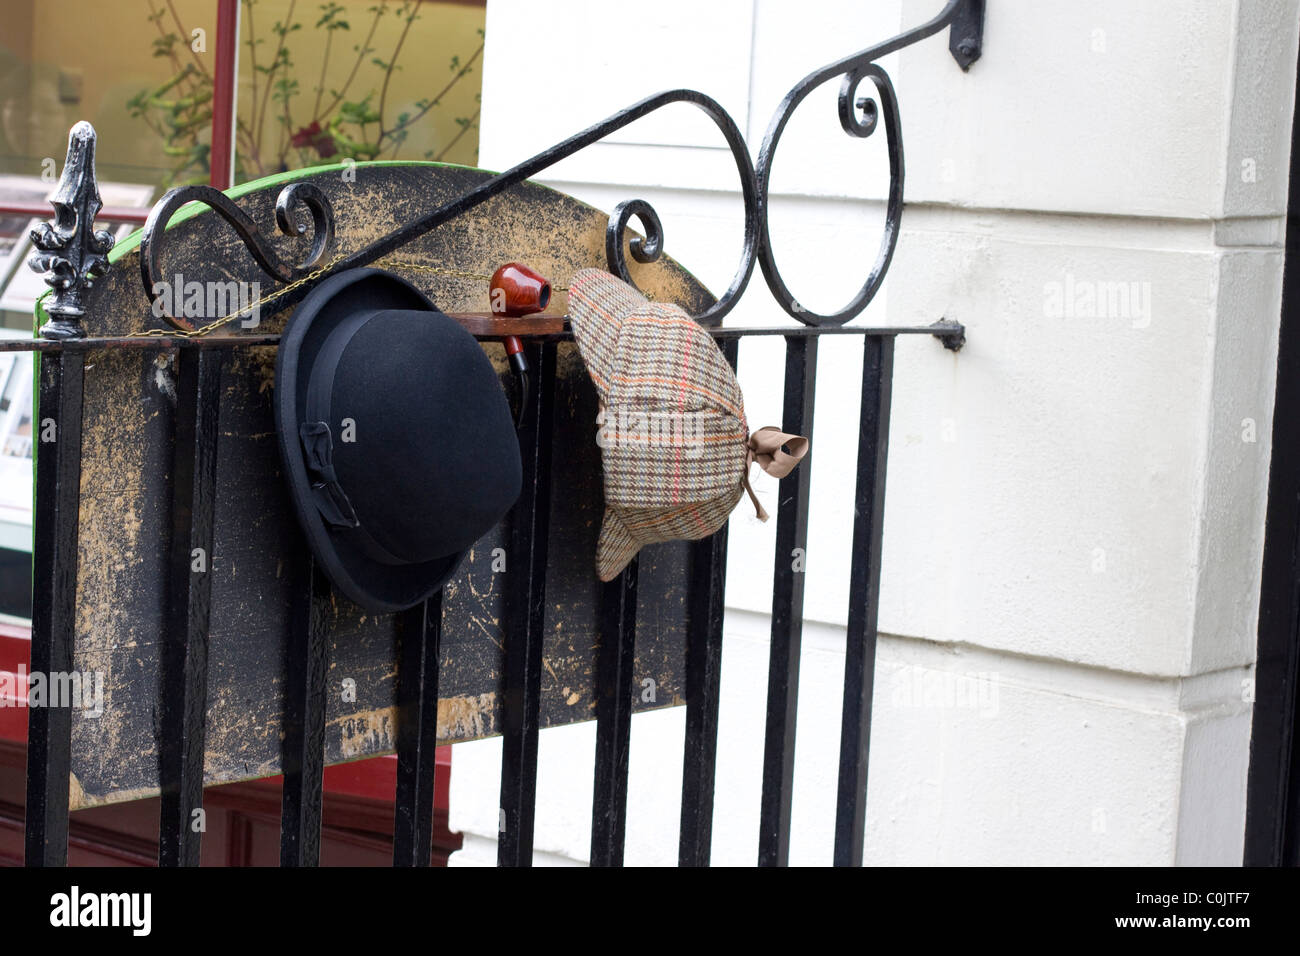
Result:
130,402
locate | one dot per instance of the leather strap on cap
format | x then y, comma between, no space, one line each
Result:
766,448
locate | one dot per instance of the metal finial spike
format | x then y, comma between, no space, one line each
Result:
72,253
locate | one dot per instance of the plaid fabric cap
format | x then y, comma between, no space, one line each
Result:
673,434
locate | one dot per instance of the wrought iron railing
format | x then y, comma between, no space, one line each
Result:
71,256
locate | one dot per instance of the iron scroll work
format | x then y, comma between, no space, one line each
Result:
859,116
72,255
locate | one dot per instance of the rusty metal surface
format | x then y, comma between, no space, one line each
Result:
130,400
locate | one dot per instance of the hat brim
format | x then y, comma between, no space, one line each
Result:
616,547
374,586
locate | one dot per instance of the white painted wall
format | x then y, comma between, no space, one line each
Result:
1075,502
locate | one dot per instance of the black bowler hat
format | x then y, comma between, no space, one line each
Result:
398,445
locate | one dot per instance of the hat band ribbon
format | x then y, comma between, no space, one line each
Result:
766,448
329,497
318,453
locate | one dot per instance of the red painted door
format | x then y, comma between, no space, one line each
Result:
243,819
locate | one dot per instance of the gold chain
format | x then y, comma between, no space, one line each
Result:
390,262
271,297
310,277
451,273
459,273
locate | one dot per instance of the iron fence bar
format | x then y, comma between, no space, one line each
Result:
420,635
707,586
615,659
184,692
54,573
787,611
144,342
525,615
303,751
952,334
864,599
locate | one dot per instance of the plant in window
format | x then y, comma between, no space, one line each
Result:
282,126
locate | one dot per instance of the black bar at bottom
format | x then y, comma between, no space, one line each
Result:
303,750
417,732
864,599
708,570
54,591
184,665
525,616
787,611
615,658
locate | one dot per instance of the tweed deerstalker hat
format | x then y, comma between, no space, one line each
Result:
674,441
